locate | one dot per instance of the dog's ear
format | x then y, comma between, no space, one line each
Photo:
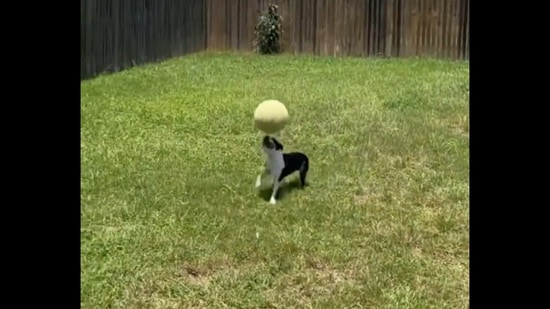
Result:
278,146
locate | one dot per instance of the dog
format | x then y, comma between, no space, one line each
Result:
279,165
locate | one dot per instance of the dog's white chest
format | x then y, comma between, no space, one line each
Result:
275,162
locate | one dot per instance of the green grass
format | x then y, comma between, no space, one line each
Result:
170,217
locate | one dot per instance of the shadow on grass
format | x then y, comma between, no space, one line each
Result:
285,188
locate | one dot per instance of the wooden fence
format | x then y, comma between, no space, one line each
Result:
396,28
116,34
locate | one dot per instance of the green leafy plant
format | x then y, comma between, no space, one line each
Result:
268,31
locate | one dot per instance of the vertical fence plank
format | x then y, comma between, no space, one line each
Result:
383,8
382,11
439,29
311,38
318,27
227,24
306,39
315,26
399,31
218,21
447,28
238,24
343,34
389,27
208,17
434,28
368,27
244,42
464,29
234,24
460,18
455,27
404,25
286,24
323,20
252,15
425,48
432,42
376,27
346,33
301,28
298,38
393,19
467,30
450,30
357,28
417,26
329,23
339,14
425,15
400,23
421,26
452,35
405,28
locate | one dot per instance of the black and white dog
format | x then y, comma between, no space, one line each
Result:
279,164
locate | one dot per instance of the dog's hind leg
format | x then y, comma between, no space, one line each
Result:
303,173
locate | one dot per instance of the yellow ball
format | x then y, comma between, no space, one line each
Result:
271,116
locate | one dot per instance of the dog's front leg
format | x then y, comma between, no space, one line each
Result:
259,181
259,178
276,184
272,200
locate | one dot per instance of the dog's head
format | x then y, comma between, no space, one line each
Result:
271,143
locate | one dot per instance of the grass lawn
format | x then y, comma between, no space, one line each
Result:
170,217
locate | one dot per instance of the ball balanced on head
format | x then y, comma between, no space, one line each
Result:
271,117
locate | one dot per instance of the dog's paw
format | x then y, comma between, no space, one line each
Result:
272,201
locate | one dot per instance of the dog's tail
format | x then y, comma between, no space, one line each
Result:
303,171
